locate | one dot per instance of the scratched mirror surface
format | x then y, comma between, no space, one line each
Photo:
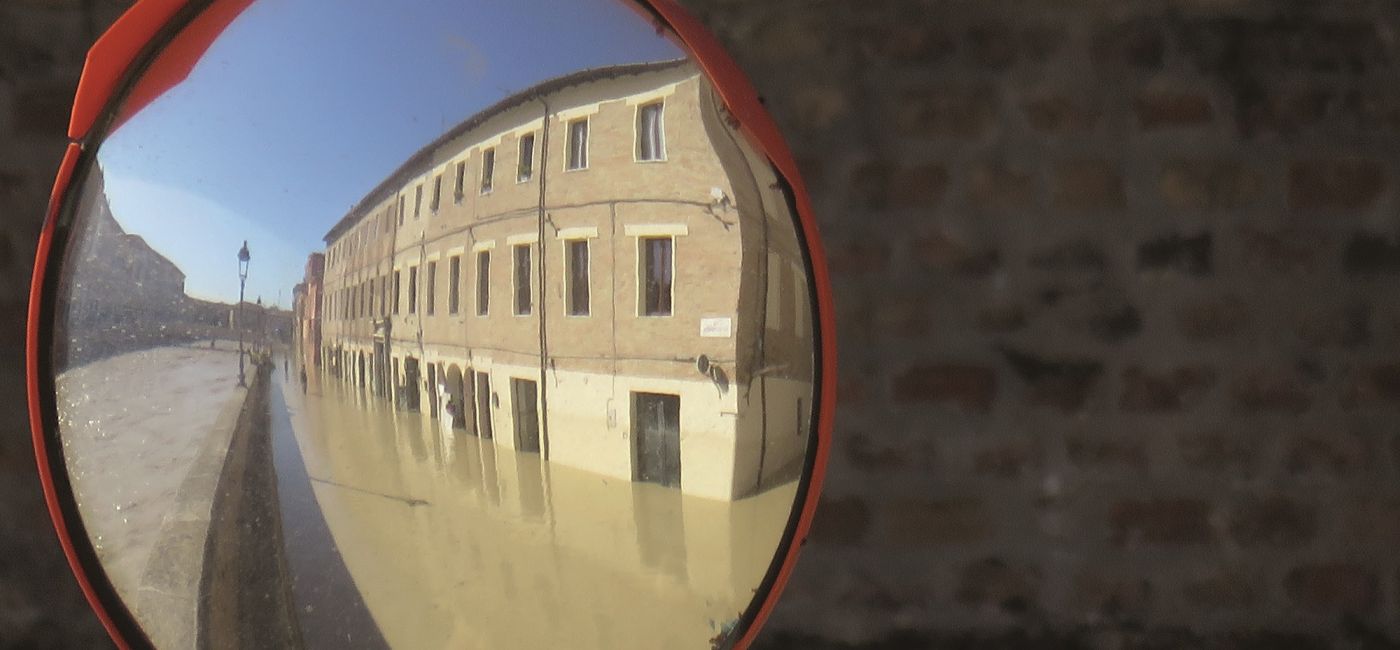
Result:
435,324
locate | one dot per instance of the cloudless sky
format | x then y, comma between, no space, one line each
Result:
301,107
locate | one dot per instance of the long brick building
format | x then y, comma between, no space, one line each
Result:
598,269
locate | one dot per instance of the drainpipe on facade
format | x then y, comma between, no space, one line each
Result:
544,332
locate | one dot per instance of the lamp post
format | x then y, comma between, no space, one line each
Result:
242,280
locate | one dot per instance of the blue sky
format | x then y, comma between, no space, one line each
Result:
302,106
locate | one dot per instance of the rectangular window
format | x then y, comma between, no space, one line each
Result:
437,192
576,263
431,298
369,304
398,282
417,200
412,289
488,169
522,280
483,282
461,181
526,168
650,146
401,210
454,270
655,274
578,144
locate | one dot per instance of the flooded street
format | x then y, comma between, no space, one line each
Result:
452,541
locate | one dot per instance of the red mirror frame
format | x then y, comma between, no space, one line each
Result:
112,66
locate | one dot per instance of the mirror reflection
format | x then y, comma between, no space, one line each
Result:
465,324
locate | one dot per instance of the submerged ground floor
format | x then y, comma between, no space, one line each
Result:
662,421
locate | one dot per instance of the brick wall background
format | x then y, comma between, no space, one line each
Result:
1117,294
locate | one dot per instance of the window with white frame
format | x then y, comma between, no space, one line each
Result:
521,275
650,142
488,169
576,296
437,192
430,298
454,272
526,167
417,200
655,273
460,186
483,282
578,144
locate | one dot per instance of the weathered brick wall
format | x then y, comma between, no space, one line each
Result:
1116,289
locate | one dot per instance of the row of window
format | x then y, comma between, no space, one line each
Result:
382,296
650,147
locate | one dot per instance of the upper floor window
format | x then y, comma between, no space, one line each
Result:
417,200
483,282
401,210
488,169
437,192
398,283
461,185
650,142
526,168
430,299
523,303
655,273
412,289
454,274
576,270
578,144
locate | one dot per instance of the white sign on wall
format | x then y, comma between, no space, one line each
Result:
716,328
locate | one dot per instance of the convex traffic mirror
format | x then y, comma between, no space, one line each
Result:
438,324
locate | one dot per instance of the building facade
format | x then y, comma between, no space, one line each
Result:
598,269
306,310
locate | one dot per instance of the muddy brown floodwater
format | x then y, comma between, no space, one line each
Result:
453,542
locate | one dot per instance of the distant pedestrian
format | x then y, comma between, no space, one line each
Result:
303,381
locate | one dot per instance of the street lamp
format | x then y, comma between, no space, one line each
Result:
242,280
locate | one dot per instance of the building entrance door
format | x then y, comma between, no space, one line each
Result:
432,391
381,369
483,404
410,384
524,398
656,422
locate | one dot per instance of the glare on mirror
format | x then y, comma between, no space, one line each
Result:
434,324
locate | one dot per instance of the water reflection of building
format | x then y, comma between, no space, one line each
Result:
669,340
